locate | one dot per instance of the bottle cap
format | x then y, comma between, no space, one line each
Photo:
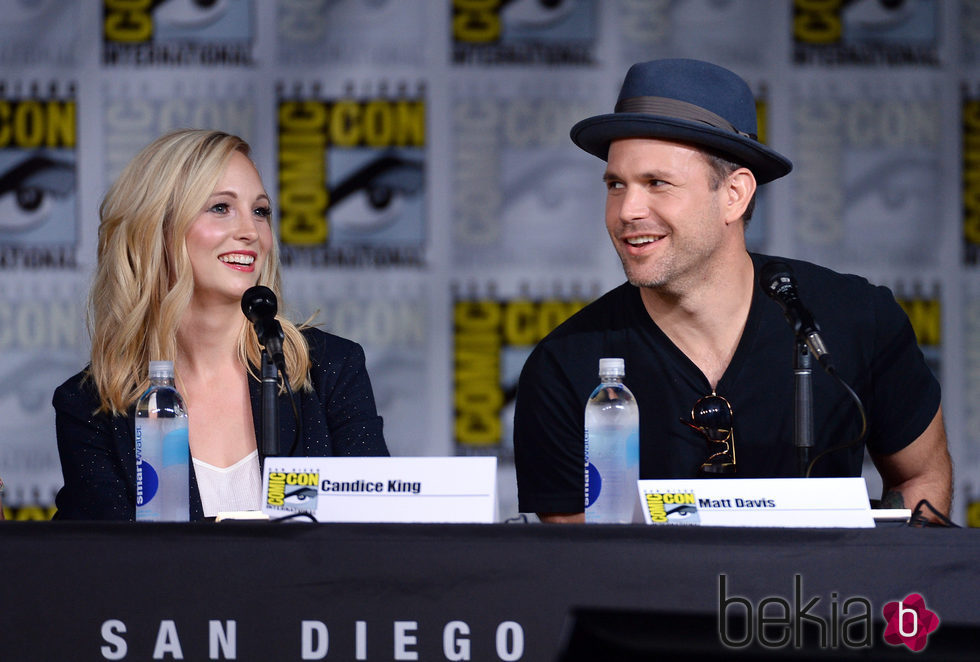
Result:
612,368
162,369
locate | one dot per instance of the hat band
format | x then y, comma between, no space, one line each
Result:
681,110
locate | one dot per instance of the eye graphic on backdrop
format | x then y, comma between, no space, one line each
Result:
680,513
28,191
189,13
896,184
299,495
373,7
889,198
396,366
547,182
373,196
536,13
16,11
879,14
29,383
543,194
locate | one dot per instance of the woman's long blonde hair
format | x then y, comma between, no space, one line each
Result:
143,280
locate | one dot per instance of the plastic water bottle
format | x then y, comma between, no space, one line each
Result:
162,451
612,448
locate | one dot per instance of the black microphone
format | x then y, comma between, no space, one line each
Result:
776,279
260,305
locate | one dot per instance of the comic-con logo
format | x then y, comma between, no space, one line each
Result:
671,507
292,490
371,32
133,115
925,312
866,32
492,339
40,33
870,155
971,180
351,177
177,32
38,224
524,31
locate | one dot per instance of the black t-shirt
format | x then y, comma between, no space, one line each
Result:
870,340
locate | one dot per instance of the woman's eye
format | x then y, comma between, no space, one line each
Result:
220,208
264,212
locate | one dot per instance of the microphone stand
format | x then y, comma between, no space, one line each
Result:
803,433
259,305
269,444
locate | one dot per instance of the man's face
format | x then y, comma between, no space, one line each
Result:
662,216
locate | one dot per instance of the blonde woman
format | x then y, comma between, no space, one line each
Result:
185,231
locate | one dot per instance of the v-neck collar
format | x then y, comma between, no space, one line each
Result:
742,350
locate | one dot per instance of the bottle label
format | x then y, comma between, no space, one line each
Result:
588,482
147,480
162,457
612,473
593,484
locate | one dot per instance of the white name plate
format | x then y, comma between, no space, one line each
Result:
776,502
382,489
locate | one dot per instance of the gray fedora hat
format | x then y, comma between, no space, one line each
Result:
688,101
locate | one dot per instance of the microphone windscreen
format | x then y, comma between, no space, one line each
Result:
775,276
259,303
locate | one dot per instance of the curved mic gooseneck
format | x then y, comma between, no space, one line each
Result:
776,279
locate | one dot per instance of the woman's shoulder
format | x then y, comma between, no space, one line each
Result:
77,393
333,358
325,344
74,384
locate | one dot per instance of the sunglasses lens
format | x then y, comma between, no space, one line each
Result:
712,412
712,417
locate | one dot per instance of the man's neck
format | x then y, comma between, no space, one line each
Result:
705,320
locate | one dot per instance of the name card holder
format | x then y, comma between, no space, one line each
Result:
773,502
382,489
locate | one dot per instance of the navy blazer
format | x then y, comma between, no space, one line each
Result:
98,456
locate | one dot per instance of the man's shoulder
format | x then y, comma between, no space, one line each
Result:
821,279
844,301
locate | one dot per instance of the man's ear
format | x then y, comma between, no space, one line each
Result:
740,188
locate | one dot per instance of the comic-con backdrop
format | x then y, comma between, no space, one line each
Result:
429,202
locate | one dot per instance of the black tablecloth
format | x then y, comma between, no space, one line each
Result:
79,591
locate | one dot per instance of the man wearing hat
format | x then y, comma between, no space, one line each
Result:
709,356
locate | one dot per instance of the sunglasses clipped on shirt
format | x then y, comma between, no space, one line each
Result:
712,417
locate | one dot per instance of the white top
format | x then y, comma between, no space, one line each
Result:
234,488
